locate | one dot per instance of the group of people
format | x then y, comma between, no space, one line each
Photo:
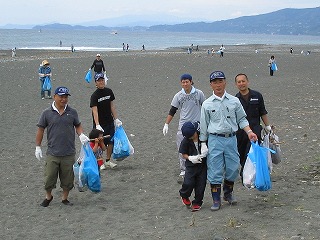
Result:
61,122
214,136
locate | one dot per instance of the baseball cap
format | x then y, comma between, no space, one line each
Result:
189,128
186,76
98,55
62,91
217,75
98,76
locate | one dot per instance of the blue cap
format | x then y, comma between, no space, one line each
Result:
189,128
217,75
62,91
186,76
98,76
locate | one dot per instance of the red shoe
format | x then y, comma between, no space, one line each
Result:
195,207
186,202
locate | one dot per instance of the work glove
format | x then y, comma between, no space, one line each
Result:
267,128
99,128
89,69
204,149
195,159
117,122
83,139
165,129
38,153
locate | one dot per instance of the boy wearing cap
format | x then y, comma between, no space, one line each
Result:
104,115
44,71
98,65
196,166
189,101
221,116
61,122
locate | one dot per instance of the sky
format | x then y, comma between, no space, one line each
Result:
78,11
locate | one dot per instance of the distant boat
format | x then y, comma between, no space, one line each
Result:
114,32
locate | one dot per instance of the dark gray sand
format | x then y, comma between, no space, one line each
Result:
140,199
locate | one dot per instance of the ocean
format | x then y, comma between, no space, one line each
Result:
94,40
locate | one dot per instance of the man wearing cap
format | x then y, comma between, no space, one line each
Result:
44,71
189,101
98,65
61,122
221,116
253,104
104,115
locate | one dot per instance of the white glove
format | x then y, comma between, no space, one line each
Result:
165,129
117,122
99,128
204,149
38,153
267,128
195,159
89,69
83,139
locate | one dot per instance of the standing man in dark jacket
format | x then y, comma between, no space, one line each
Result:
253,104
98,65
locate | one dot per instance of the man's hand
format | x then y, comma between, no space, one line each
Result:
99,128
83,139
38,153
117,122
165,129
204,149
195,159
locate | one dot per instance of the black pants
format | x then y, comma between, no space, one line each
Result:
194,178
271,72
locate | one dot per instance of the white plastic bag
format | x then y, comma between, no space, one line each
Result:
274,144
266,143
249,172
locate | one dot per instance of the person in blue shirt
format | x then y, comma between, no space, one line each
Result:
44,71
221,116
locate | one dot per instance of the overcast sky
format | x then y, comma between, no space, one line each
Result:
78,11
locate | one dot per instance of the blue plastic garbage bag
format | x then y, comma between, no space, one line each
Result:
46,86
121,145
88,76
260,158
89,170
274,66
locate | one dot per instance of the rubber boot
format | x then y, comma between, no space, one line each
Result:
227,192
216,192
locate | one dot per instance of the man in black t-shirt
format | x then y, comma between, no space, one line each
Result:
98,65
104,115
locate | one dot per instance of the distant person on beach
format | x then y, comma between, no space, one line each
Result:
271,65
98,65
195,178
61,122
14,52
221,50
123,47
72,48
60,43
221,116
291,50
104,115
253,104
188,100
143,48
127,49
44,71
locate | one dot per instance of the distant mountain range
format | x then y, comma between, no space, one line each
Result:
287,21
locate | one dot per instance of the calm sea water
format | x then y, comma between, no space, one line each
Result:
92,40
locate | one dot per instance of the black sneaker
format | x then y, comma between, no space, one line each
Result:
66,202
46,202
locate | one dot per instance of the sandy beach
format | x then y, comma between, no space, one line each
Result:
140,198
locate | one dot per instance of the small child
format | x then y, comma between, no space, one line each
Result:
97,145
196,167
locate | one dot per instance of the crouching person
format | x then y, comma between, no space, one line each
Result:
196,166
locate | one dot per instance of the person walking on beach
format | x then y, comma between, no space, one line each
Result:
221,114
195,178
221,50
104,115
98,65
188,100
271,65
44,72
97,145
61,122
253,104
